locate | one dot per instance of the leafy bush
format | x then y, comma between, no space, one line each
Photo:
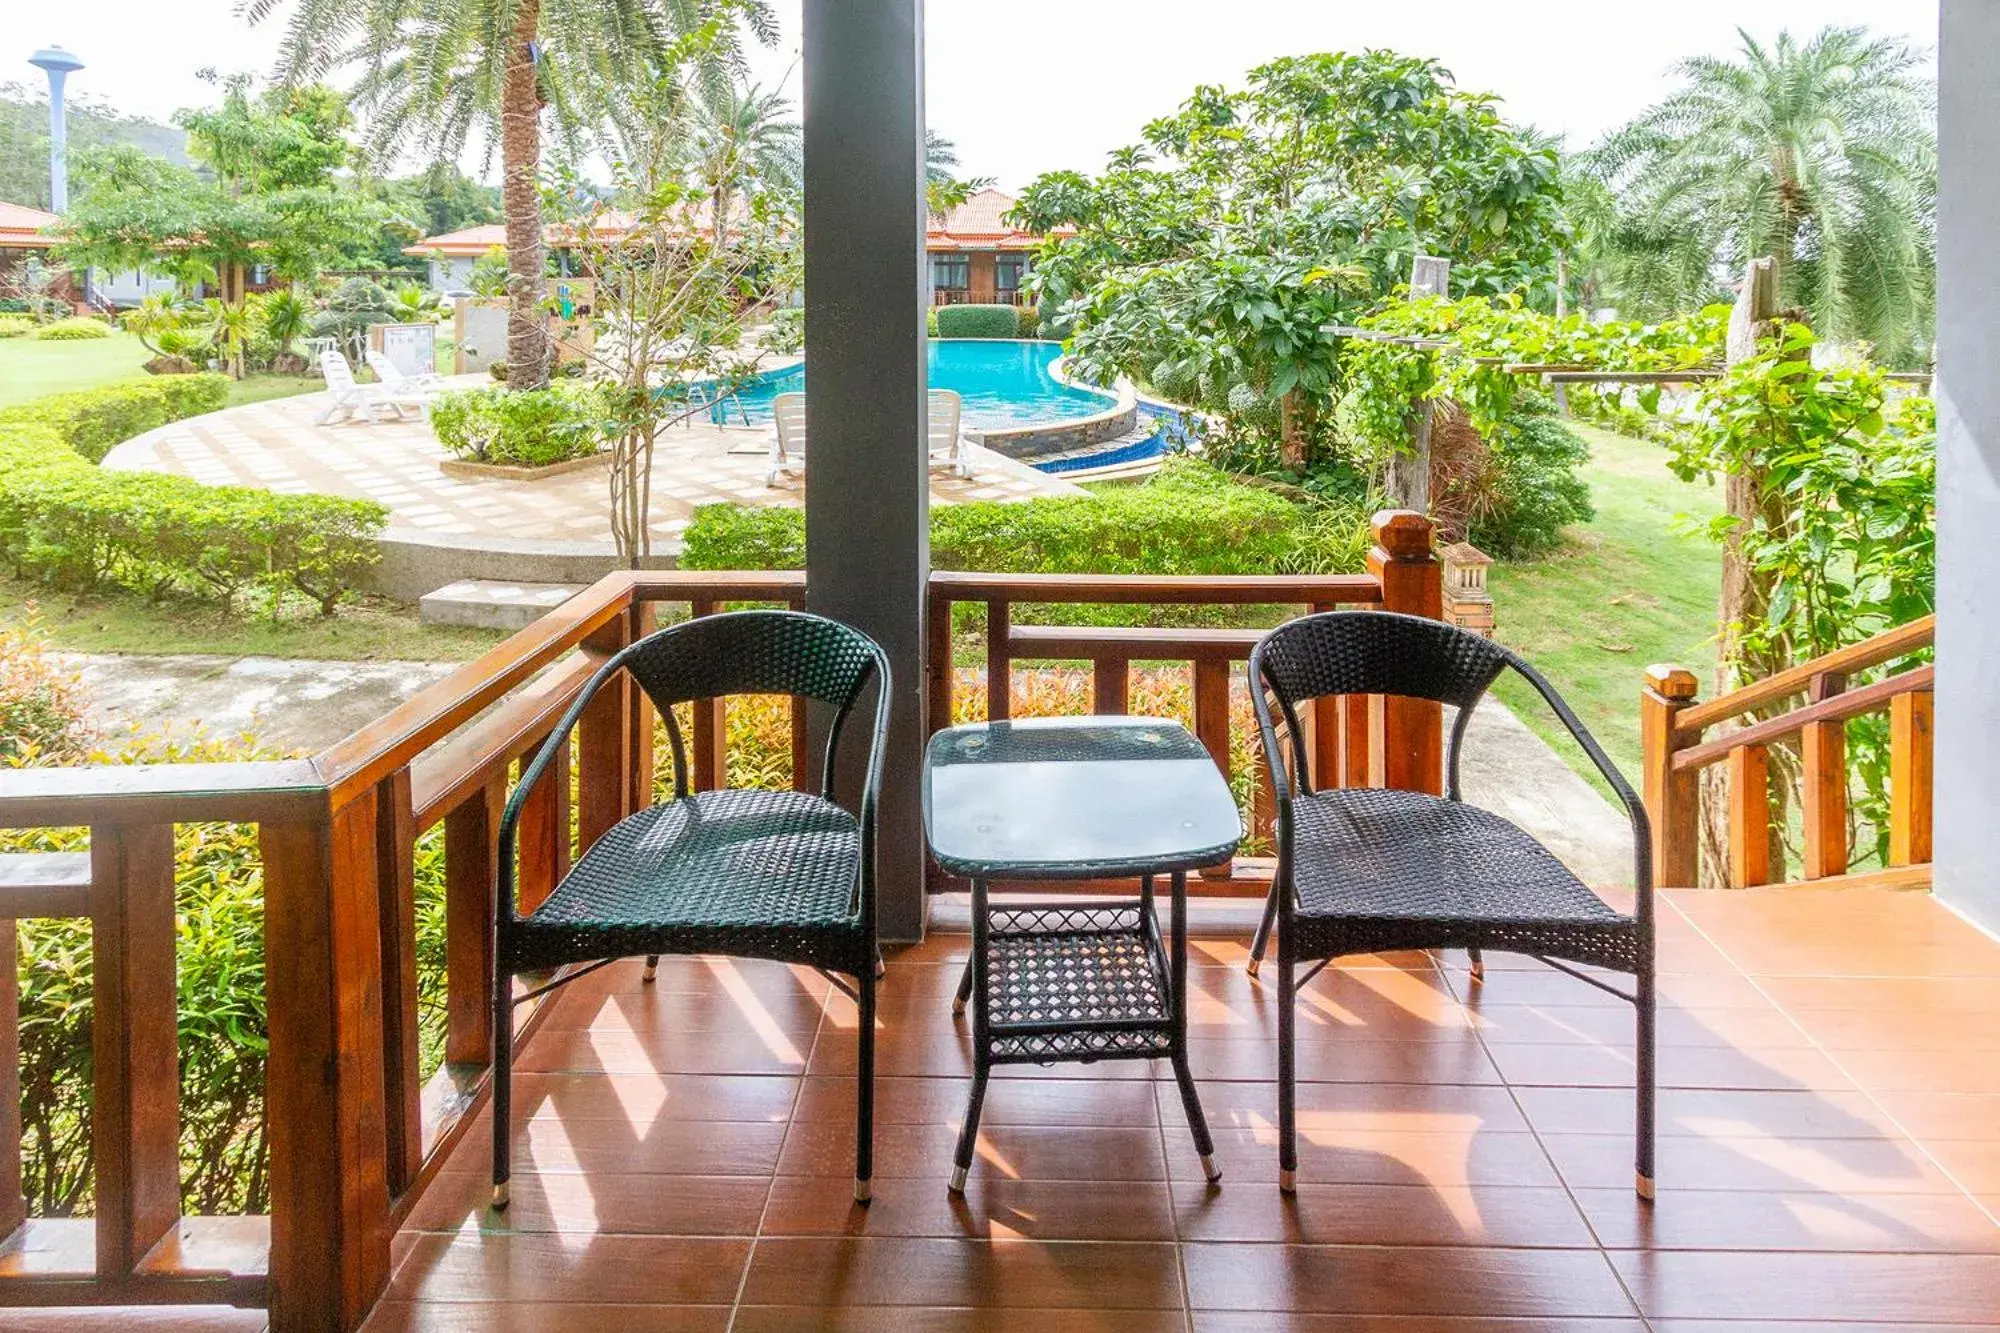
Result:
930,321
355,306
74,330
977,321
93,421
16,326
1533,491
1028,322
43,715
531,428
16,305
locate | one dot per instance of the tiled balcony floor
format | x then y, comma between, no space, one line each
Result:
1830,1151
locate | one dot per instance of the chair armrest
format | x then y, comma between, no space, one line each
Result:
1635,808
871,790
510,817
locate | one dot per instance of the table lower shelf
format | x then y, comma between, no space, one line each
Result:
1076,983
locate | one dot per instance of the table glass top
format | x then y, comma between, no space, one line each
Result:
1052,798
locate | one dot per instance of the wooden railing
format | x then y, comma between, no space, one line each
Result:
1676,731
354,1130
1357,741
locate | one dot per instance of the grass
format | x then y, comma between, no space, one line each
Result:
1628,590
117,622
30,368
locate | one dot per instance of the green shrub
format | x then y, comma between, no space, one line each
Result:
930,321
93,421
16,305
532,428
977,321
1534,491
1028,322
77,330
16,326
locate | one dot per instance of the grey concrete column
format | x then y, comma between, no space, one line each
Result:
1968,680
867,486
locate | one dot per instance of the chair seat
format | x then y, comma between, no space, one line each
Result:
1371,855
757,873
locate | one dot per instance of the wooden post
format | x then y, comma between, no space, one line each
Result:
1412,752
135,1051
1749,817
1823,779
999,665
1326,745
402,1064
1910,779
13,1207
1673,799
1211,727
639,721
603,736
323,1087
471,885
1110,686
544,834
938,667
711,730
1408,480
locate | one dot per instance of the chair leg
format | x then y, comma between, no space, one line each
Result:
1645,1090
1288,1128
969,1134
1478,961
864,1095
1204,1142
652,972
959,1001
503,1085
1262,940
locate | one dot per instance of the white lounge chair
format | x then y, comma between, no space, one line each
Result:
350,397
946,446
395,381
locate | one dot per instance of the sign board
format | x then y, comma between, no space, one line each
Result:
481,332
411,348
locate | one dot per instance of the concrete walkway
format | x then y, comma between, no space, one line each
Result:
297,705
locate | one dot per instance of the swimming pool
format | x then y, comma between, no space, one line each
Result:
1005,385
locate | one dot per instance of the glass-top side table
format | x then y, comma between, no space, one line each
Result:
1076,798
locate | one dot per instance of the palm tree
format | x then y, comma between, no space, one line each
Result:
435,73
1822,154
744,134
943,190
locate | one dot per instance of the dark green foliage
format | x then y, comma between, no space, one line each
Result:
522,427
355,306
92,421
15,305
1029,322
1532,490
978,321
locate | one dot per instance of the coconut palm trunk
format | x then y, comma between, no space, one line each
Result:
521,198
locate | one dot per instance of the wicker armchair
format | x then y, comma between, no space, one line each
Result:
1363,870
782,875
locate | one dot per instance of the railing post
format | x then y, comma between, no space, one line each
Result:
1412,753
711,730
1910,779
1327,722
999,662
323,1087
1749,817
471,879
1211,727
1823,784
13,1207
639,720
402,1063
1110,687
1673,799
544,836
135,1051
939,669
603,736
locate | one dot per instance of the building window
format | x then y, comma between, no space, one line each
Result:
950,273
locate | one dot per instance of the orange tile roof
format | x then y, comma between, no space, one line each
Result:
24,228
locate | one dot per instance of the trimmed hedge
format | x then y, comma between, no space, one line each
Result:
93,421
16,326
67,522
1029,319
79,329
519,428
978,321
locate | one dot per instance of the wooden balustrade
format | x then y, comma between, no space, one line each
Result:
355,1132
1676,729
1356,742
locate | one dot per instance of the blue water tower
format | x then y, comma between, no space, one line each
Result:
58,64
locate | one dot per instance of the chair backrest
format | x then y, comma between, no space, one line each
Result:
945,407
334,369
385,370
753,652
1376,652
789,411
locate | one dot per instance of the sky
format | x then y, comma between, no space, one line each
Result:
1027,86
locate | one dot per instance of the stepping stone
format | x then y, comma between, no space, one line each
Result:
490,604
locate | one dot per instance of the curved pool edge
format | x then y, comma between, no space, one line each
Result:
1028,443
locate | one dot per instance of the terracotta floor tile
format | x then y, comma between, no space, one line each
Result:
650,1009
1841,1030
1886,1287
904,1319
1925,1071
1340,1059
1426,1281
1841,1166
617,1270
1017,1152
1338,1154
1612,1026
1400,1107
1021,1275
1720,1067
520,1317
611,1051
1929,1117
618,1202
182,1319
643,1099
1935,1000
676,1148
775,983
1358,1214
1800,1220
941,1101
1708,1112
993,1208
1270,1321
1974,1163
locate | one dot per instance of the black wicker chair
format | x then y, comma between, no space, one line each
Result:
1362,870
753,874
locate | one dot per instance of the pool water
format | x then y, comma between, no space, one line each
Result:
1004,383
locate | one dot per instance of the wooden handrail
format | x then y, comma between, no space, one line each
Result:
1157,589
242,793
1885,647
1837,708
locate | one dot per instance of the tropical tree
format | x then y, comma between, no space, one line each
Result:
744,138
433,76
1822,153
944,190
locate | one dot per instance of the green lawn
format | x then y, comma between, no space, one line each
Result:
1628,591
30,368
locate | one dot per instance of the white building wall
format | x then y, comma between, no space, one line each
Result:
1968,681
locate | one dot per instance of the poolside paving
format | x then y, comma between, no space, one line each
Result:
278,446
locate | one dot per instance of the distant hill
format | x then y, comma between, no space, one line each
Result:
24,139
